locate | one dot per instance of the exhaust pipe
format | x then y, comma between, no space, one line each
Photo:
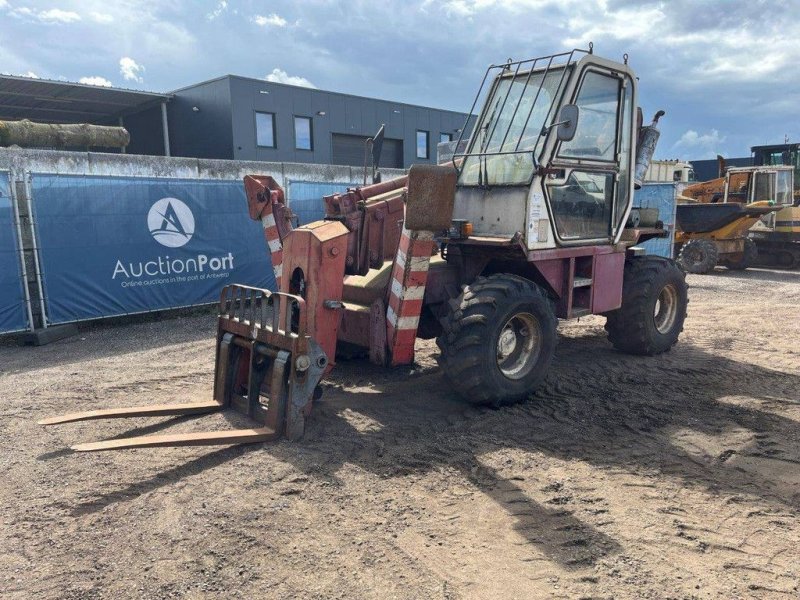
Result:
645,148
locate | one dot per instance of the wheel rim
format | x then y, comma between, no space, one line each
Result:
666,309
695,256
519,345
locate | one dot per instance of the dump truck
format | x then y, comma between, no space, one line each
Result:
714,218
528,225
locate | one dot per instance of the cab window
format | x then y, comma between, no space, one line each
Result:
582,204
596,136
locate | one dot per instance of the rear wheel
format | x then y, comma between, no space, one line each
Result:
498,339
698,256
744,260
654,299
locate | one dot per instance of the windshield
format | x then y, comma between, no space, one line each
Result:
512,122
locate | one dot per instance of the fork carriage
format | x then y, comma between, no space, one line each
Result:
267,368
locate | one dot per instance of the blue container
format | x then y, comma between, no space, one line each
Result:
663,197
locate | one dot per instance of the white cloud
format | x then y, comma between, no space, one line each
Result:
95,80
53,15
222,6
130,69
281,76
623,24
102,18
691,138
467,8
702,145
271,20
31,74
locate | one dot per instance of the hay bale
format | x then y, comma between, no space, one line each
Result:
28,134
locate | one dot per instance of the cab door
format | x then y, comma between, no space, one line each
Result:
589,181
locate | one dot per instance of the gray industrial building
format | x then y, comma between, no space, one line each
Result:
241,118
707,169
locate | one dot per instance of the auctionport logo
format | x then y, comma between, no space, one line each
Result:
171,222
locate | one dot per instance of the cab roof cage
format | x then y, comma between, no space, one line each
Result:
543,65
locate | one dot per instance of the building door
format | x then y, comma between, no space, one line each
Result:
349,150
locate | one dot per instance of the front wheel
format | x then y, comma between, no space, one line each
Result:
698,256
498,339
654,299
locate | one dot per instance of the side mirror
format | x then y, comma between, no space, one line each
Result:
567,122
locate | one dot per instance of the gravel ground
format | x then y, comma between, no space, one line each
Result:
675,476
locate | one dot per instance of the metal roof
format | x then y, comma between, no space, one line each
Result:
50,101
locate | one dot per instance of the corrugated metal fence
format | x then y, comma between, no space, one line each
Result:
75,247
14,311
103,245
305,198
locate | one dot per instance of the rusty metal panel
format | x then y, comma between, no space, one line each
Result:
431,194
607,281
313,267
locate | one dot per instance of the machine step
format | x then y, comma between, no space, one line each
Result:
153,410
203,438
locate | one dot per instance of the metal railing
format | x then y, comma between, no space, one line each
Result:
543,66
279,312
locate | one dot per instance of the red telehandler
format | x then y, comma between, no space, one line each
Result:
530,224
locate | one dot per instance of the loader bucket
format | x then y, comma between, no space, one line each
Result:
267,368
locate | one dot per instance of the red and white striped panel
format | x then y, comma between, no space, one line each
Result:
273,242
409,276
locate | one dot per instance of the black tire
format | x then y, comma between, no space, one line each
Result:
698,256
654,299
472,356
744,261
788,259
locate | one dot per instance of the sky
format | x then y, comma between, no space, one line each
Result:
724,71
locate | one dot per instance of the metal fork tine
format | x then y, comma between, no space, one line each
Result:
153,410
205,438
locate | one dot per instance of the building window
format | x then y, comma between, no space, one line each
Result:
265,129
303,138
422,144
445,137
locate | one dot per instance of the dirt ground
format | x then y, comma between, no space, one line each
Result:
676,476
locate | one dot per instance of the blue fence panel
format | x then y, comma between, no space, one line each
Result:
119,245
663,197
13,314
305,198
